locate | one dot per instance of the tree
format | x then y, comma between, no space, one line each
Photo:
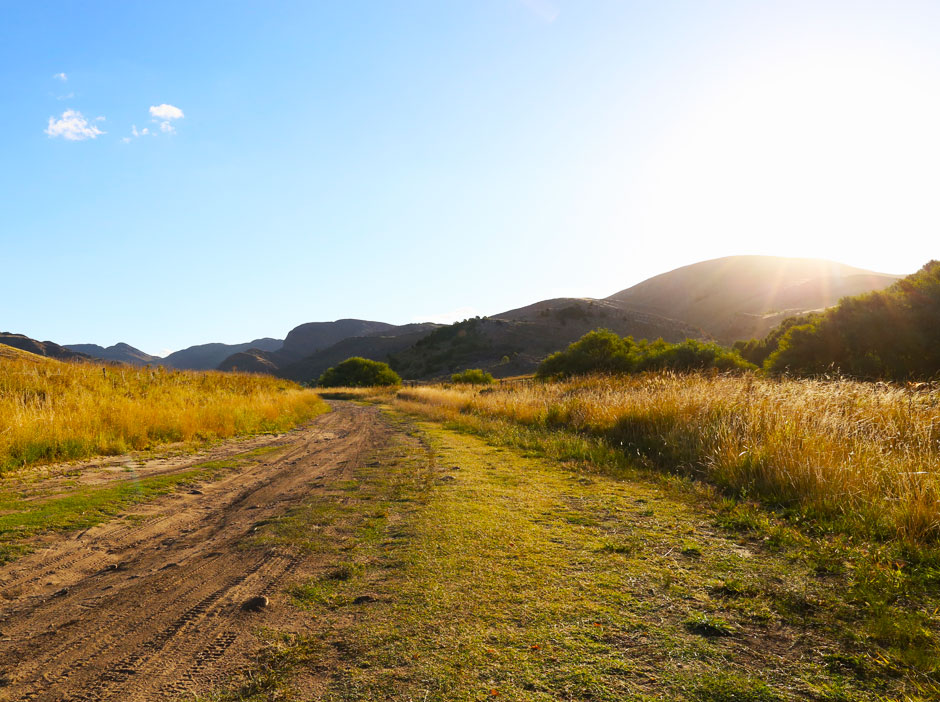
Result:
473,376
358,372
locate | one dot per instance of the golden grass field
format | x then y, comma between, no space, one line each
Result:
52,411
863,455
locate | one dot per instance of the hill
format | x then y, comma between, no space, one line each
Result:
121,352
40,348
209,356
516,341
740,297
11,353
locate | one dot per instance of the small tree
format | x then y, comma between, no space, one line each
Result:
473,376
358,372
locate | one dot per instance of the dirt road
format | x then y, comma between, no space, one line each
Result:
151,608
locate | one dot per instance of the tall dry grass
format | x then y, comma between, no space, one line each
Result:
864,455
51,411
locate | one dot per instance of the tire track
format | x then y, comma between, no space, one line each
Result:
169,618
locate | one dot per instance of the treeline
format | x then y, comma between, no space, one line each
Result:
893,334
603,351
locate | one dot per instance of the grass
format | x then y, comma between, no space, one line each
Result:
861,458
495,571
54,411
84,507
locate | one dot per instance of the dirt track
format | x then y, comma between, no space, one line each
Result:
153,610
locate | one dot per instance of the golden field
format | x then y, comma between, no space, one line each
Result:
861,456
52,411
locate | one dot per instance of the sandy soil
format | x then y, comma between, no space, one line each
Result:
150,608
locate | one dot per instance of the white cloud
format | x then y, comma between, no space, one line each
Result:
165,112
67,96
61,76
139,132
72,126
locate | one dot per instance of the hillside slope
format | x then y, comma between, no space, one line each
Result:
516,341
40,348
121,352
740,297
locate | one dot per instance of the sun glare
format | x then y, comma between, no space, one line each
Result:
838,150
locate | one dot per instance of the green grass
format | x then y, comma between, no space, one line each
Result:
495,573
84,507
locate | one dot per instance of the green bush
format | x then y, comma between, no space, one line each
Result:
892,334
473,376
357,372
603,351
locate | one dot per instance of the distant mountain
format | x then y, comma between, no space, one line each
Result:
41,348
315,336
740,297
516,341
209,356
121,352
377,347
374,340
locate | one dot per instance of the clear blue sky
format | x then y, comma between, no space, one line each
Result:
399,161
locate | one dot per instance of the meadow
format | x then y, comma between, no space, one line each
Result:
860,458
54,411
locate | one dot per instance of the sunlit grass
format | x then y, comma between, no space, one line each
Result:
53,411
860,456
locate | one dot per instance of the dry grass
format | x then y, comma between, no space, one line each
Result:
51,411
863,456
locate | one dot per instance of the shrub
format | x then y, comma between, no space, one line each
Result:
357,372
473,376
603,351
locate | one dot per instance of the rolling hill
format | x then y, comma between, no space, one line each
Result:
741,297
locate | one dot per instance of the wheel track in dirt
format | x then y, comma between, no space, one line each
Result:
168,621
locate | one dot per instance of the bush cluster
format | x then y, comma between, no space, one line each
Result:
603,351
473,376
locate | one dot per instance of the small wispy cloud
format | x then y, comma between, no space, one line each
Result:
136,133
60,76
67,96
164,115
72,126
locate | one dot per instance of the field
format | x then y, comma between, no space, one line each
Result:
55,411
649,538
857,457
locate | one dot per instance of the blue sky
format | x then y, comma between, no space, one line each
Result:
397,161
